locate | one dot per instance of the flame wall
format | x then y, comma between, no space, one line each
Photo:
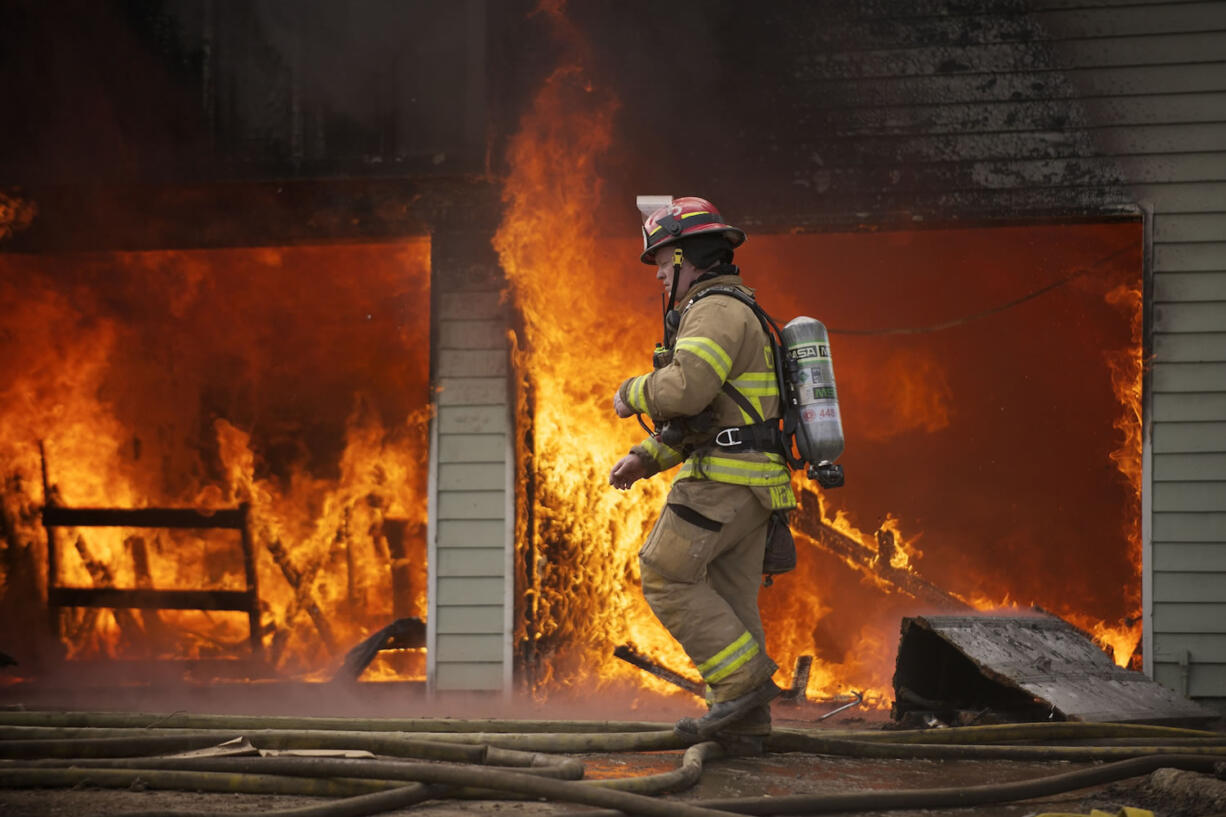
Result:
992,446
989,446
295,378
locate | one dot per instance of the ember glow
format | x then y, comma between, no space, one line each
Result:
294,379
992,462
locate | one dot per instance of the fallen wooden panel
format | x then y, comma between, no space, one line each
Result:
1024,667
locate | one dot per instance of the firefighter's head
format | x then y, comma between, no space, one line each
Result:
682,223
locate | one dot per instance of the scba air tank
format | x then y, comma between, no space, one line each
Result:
819,428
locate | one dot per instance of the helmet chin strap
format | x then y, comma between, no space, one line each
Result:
670,322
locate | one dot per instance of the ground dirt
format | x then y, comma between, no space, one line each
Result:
770,775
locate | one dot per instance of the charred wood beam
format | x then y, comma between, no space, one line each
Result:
395,532
626,653
129,625
401,634
871,561
139,599
302,592
800,679
173,518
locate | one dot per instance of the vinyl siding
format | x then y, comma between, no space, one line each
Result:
469,638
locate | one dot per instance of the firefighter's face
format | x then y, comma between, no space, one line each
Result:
664,272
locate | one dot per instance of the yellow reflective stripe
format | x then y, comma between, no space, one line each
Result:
734,665
756,383
664,456
636,394
683,216
737,472
708,351
782,497
723,654
729,659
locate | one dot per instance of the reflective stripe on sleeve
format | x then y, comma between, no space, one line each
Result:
709,352
636,394
664,456
729,659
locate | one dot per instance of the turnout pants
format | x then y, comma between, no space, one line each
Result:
701,569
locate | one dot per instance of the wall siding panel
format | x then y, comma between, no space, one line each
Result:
471,619
486,448
1192,586
1189,437
1189,377
1189,496
1202,679
1190,527
1189,467
1177,617
1182,557
472,391
468,637
1198,256
473,676
1193,286
1183,227
457,533
1194,347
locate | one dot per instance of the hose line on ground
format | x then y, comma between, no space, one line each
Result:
183,720
62,749
475,777
381,742
359,806
995,733
879,749
960,796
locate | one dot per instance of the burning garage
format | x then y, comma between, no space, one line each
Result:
313,312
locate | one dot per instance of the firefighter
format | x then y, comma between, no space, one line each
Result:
715,403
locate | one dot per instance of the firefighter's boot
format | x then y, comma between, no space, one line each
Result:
725,713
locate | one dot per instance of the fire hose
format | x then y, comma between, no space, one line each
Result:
474,759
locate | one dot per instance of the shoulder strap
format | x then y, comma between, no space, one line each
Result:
742,401
775,337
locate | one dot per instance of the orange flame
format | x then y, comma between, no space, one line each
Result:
578,538
206,378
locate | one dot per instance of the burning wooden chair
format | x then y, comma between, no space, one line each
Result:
236,519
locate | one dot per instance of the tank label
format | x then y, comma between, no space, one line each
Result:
818,350
824,393
814,415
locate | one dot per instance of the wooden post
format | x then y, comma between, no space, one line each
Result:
53,611
395,530
253,591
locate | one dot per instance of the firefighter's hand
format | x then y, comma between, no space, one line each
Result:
619,405
629,470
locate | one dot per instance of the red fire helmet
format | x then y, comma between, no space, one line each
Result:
685,217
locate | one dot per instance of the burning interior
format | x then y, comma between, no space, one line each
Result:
993,456
990,382
293,379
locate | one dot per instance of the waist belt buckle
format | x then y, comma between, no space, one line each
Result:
728,437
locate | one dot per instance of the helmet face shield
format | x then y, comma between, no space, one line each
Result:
683,218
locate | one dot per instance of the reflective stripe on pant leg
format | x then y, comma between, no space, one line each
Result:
729,659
